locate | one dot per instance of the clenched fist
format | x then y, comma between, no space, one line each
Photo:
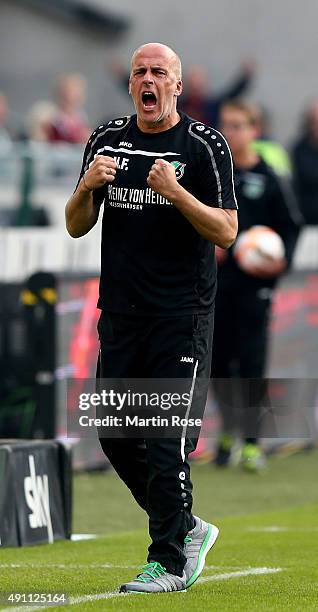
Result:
102,170
162,178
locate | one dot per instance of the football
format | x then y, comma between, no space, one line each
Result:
257,246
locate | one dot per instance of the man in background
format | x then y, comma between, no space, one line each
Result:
244,299
305,160
69,122
202,102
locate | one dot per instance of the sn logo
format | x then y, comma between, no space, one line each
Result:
36,491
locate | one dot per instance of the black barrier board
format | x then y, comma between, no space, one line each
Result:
35,492
8,522
38,493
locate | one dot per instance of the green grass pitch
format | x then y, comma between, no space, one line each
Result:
266,558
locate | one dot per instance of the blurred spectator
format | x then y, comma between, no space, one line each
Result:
272,152
5,138
69,122
199,101
305,159
39,120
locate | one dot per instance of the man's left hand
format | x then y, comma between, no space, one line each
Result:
162,178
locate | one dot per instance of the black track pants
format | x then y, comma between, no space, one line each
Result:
239,353
157,470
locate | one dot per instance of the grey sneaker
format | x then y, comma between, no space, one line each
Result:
197,544
154,578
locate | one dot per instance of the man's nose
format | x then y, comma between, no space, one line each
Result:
148,77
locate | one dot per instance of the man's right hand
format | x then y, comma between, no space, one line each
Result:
102,170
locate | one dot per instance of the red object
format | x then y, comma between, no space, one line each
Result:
68,128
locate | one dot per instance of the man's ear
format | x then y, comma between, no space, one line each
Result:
179,87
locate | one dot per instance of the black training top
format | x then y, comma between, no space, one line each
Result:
264,198
153,261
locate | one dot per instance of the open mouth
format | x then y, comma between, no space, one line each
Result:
149,100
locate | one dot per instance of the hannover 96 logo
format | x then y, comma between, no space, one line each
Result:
179,169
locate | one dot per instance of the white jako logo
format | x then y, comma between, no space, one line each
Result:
186,360
36,490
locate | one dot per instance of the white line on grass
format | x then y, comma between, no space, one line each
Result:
219,567
79,537
65,566
92,566
70,566
278,529
252,571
